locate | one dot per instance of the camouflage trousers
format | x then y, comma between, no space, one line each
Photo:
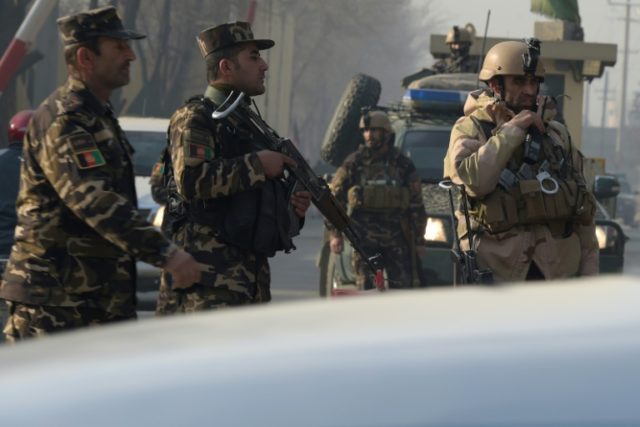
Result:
213,294
396,256
26,321
230,276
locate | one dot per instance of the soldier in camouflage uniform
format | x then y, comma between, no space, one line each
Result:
459,41
382,192
224,184
78,228
531,213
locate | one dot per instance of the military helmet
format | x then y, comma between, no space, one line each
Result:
18,125
517,58
375,119
461,35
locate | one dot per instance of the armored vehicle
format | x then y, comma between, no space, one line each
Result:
422,123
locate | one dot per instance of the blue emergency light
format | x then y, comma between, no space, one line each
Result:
434,99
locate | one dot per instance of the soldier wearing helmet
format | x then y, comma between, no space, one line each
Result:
382,192
459,41
532,216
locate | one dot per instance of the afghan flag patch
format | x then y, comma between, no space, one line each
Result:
90,159
199,151
158,169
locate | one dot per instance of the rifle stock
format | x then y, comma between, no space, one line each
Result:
465,261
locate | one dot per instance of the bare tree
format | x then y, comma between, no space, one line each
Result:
339,38
171,65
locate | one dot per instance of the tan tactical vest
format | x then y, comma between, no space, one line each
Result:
550,191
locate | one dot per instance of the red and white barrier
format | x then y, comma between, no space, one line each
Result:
23,40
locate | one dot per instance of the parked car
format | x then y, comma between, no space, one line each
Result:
627,202
517,356
611,237
148,136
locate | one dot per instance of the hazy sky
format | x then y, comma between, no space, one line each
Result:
602,23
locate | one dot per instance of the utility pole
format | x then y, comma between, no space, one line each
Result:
623,97
604,112
585,122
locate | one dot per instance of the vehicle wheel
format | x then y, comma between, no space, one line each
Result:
342,136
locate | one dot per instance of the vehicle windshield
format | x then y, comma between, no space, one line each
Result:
148,146
426,148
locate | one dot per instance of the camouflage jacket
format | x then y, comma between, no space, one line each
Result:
78,227
477,162
391,165
211,162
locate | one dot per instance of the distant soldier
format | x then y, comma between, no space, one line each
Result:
459,41
383,194
532,215
78,230
227,197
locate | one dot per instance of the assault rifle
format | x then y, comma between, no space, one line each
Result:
465,261
321,195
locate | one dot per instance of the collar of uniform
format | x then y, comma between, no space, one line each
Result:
77,95
219,92
374,154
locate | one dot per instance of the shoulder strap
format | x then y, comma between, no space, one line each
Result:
486,127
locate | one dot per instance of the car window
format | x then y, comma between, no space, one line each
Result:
148,146
426,148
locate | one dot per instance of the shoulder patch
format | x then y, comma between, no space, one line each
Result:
199,151
89,159
158,169
81,141
198,144
84,150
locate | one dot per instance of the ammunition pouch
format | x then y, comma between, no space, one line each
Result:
255,220
378,198
258,220
527,204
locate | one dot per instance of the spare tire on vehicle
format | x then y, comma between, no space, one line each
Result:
343,137
450,81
